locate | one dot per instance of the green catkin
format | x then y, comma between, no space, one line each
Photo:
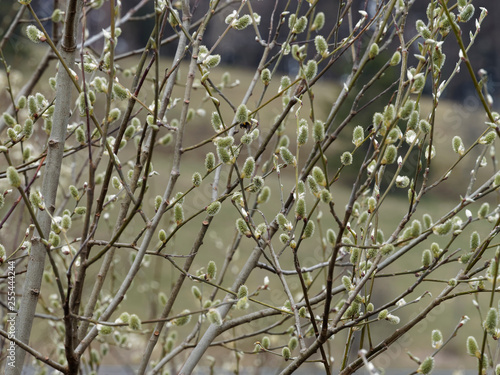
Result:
319,176
303,135
242,114
491,321
418,83
311,69
475,240
321,45
318,131
483,210
387,249
242,227
223,155
182,320
395,59
196,179
426,366
374,50
287,156
309,229
413,121
331,238
216,121
319,22
248,168
358,136
426,258
162,235
211,270
472,347
134,322
264,195
265,76
214,317
300,208
13,177
195,291
178,213
436,338
488,138
285,352
325,196
120,92
213,208
293,343
300,25
390,155
346,158
458,145
210,161
466,13
35,35
407,109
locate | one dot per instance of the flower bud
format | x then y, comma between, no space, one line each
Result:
300,208
293,343
242,114
458,145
